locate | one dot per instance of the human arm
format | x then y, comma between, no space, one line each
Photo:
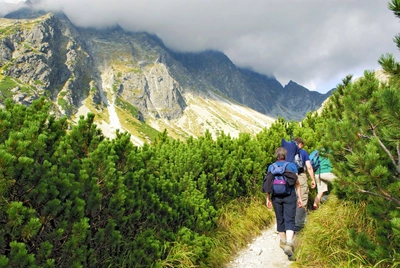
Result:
311,173
298,191
268,200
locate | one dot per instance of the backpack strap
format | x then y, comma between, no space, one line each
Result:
274,165
285,165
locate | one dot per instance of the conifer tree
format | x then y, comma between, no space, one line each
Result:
388,62
364,145
29,196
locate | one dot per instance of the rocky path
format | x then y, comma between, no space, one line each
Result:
264,251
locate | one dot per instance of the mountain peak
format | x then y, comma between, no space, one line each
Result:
132,77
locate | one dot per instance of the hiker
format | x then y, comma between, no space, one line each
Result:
284,205
302,211
324,176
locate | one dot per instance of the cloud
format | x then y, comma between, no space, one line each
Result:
312,42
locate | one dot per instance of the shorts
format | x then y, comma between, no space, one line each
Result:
322,181
304,188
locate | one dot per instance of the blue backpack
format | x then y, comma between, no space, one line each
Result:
315,160
280,184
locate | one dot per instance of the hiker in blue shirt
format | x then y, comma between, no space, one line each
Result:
301,213
284,205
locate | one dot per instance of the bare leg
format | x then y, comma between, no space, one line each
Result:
322,186
289,236
282,235
317,199
282,242
289,248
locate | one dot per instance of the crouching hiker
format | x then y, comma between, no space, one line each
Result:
280,185
325,176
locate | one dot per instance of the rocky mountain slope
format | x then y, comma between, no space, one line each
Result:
132,82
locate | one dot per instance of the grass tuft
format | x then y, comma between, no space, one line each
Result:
324,241
239,222
179,257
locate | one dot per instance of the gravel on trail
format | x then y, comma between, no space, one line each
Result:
262,252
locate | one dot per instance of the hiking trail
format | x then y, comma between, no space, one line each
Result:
262,252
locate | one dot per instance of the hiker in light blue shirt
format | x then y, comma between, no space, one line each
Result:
284,205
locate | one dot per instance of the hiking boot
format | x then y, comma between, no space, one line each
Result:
282,244
289,250
291,258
